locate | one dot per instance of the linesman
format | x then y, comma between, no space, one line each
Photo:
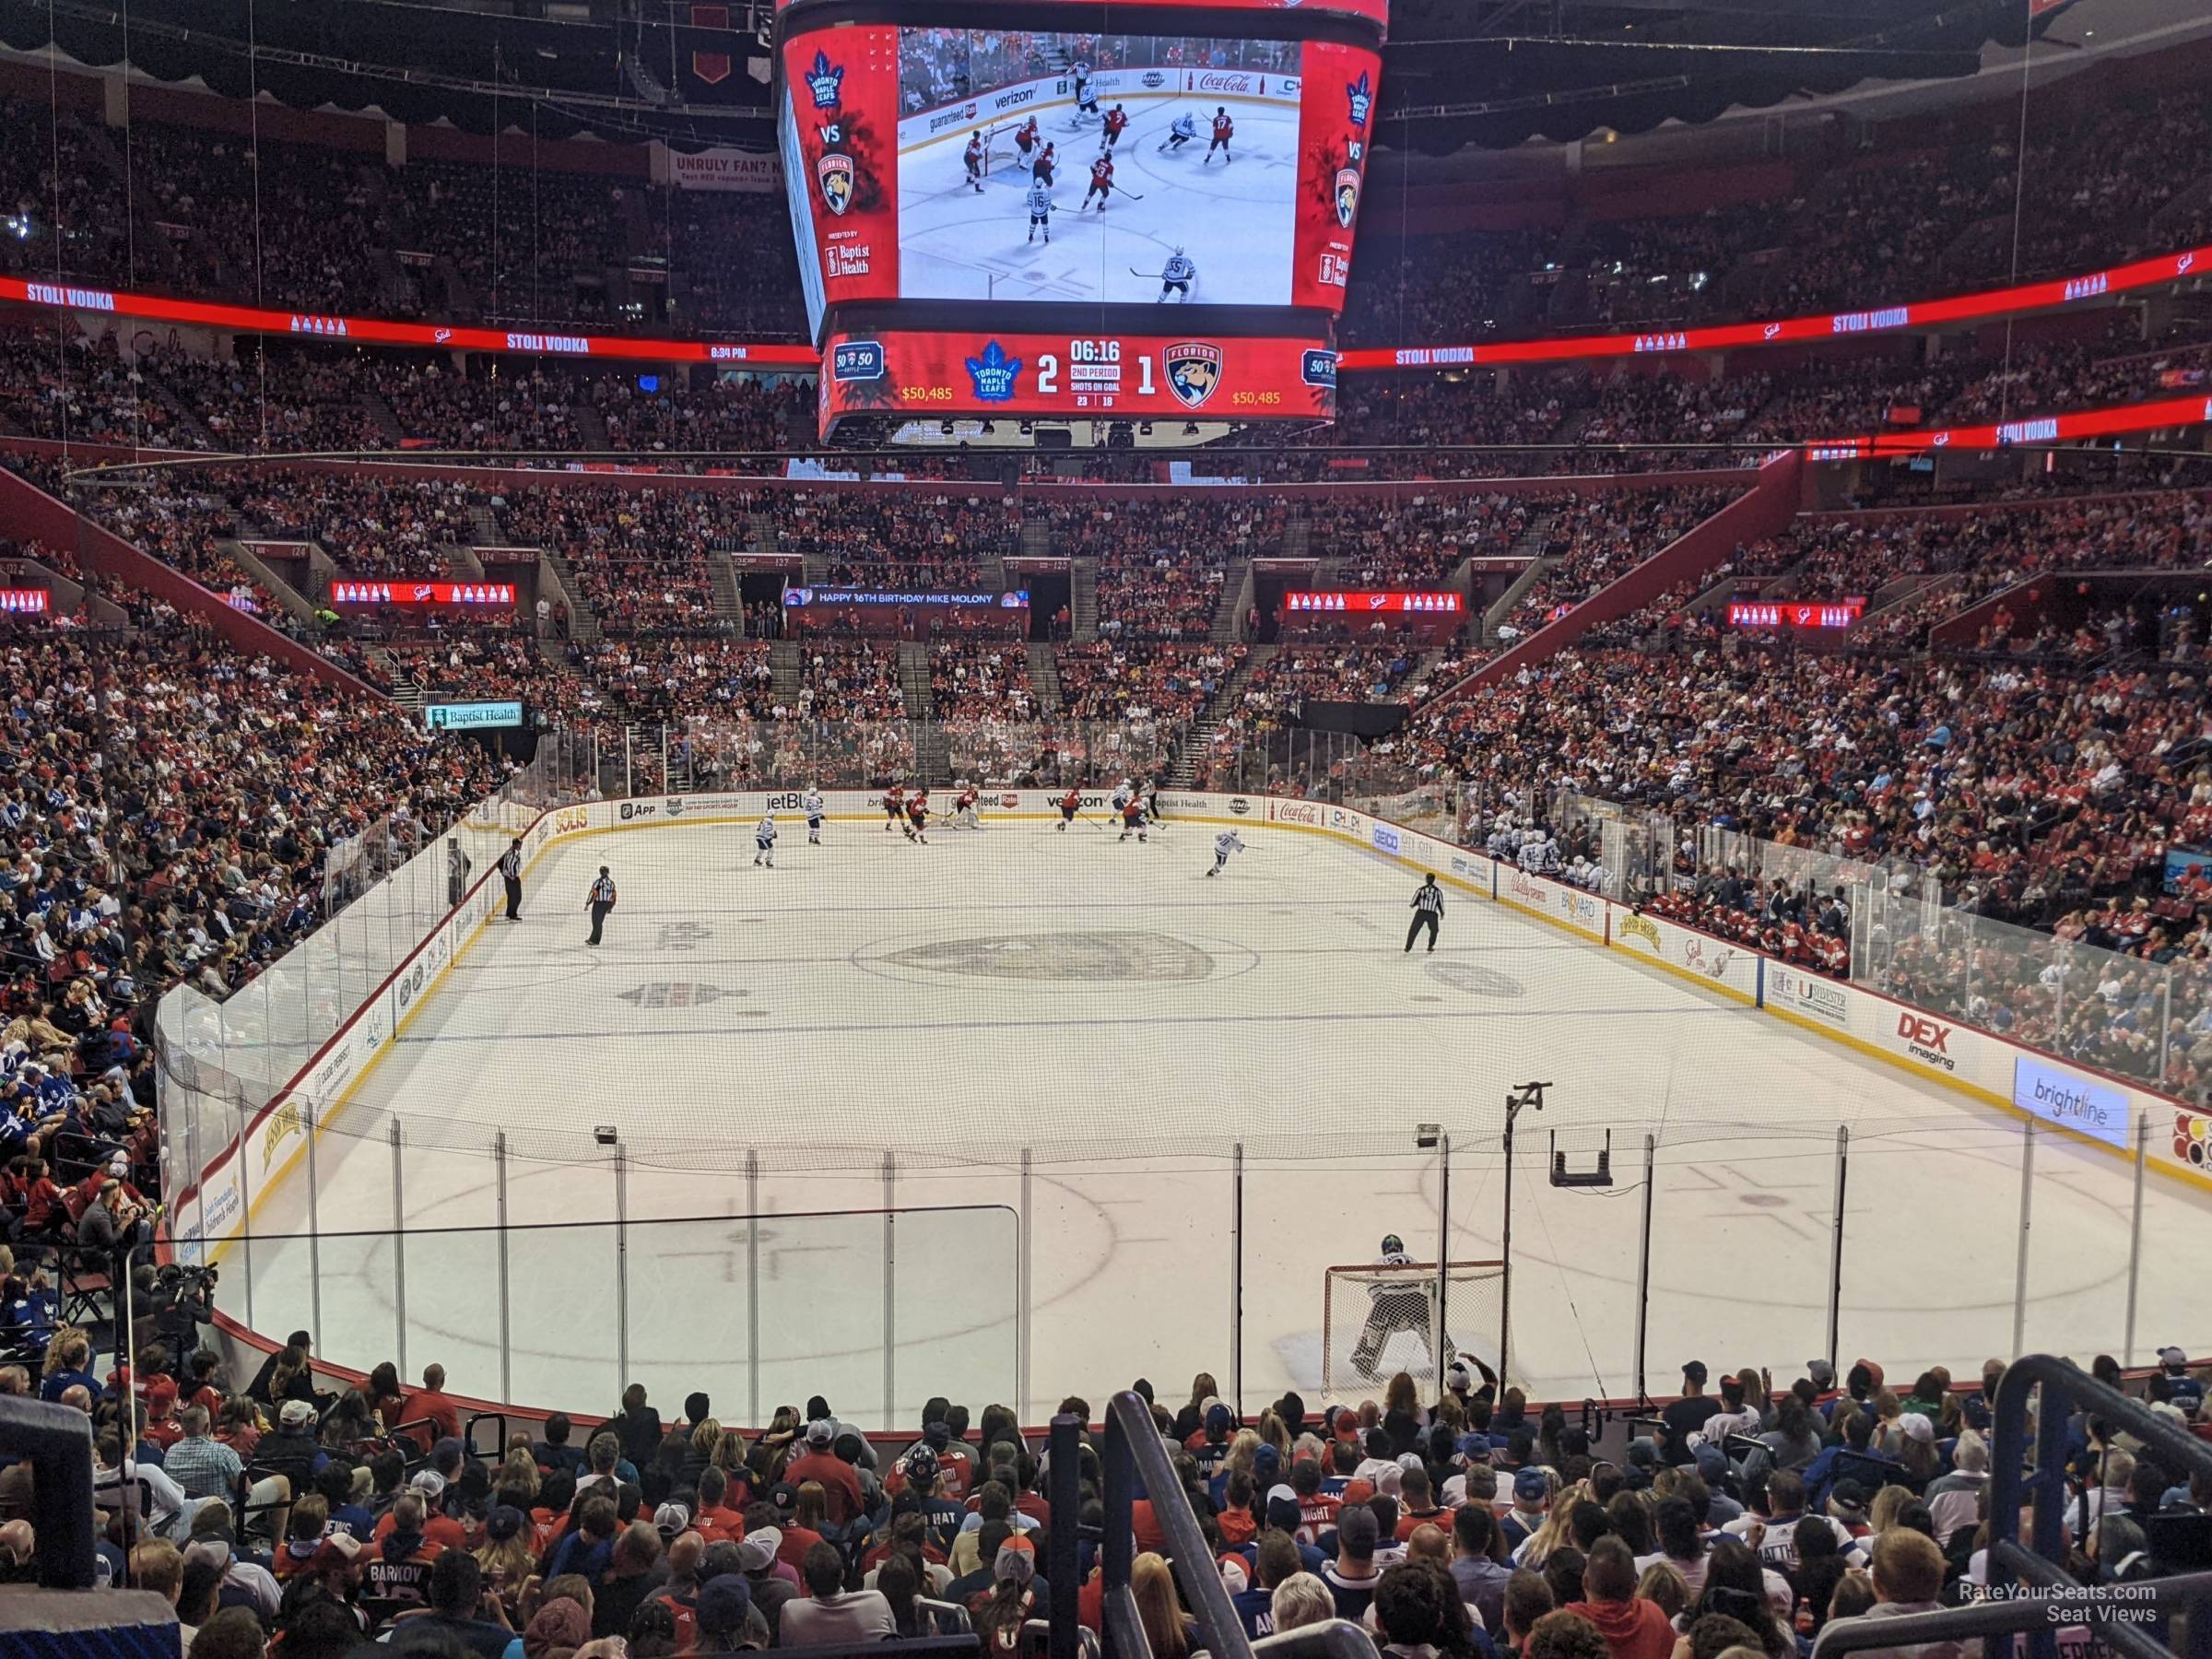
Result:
601,900
510,873
1428,912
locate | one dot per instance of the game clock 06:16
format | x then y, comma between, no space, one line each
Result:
1093,365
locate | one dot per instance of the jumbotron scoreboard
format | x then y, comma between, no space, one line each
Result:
1143,216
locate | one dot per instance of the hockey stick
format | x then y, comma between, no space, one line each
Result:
1149,275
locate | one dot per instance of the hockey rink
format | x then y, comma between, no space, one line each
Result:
1234,218
874,1025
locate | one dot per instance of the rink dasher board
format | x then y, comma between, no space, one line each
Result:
1984,1066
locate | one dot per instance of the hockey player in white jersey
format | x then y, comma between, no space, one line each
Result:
1176,276
1224,844
764,841
1181,131
811,805
1086,101
1124,792
1040,210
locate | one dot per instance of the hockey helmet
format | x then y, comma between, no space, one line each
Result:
1393,1244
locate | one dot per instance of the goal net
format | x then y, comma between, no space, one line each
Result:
1378,1321
1002,155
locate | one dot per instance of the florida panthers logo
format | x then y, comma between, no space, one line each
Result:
836,175
1347,195
1193,370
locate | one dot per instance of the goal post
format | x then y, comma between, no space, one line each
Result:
1002,157
1378,1320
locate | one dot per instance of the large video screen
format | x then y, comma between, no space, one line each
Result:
1040,166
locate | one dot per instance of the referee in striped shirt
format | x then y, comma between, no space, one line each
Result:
510,872
1428,912
600,903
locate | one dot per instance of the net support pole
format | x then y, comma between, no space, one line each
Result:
1835,1248
629,775
498,1176
315,1233
891,1284
752,1282
1643,1258
1505,1266
2020,1274
1437,1355
2134,1237
399,1249
1236,1276
245,1207
622,1263
1024,1280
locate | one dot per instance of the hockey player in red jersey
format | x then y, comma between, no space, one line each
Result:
1070,804
974,158
1224,130
917,816
1101,182
1132,818
894,807
1117,122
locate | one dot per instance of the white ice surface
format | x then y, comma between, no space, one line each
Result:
1234,218
869,999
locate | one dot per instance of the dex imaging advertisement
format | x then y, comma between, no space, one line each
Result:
972,165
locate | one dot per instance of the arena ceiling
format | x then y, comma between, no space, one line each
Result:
1492,73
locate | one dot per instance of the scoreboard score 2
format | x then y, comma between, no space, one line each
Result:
1121,376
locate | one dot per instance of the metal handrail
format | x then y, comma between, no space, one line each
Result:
2038,1565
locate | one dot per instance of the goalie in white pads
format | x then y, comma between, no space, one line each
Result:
963,809
811,805
1399,1305
764,841
1224,844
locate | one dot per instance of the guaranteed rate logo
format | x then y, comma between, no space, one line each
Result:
995,376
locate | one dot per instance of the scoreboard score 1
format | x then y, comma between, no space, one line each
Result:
1190,376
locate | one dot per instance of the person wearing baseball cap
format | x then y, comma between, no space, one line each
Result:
818,1461
2178,1385
729,1613
1687,1414
1531,1499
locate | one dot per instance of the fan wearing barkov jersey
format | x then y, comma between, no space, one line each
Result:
1400,1304
1224,844
1040,210
764,841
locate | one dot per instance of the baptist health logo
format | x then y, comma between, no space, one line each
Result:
994,374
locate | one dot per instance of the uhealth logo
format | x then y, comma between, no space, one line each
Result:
996,375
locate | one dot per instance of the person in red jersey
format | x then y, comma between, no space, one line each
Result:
1101,182
894,807
1070,804
917,816
1224,130
1117,122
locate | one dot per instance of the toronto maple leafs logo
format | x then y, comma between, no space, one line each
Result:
1363,97
1193,370
994,374
826,80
